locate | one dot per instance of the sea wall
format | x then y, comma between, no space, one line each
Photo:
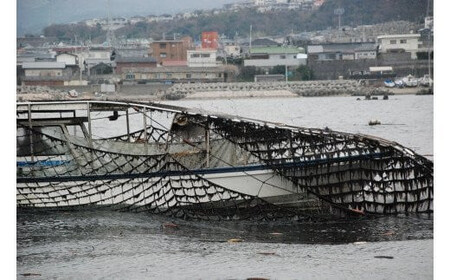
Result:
303,88
206,90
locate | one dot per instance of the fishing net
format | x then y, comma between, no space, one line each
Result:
175,169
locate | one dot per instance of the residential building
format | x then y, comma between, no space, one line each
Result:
342,51
164,50
399,43
45,73
100,70
130,67
96,55
232,50
181,74
268,57
202,58
69,59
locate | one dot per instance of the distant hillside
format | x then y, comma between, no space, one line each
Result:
357,12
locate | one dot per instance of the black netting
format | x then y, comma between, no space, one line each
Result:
170,169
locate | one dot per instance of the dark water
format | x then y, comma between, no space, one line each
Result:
115,245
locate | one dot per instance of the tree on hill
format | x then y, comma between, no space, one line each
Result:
357,12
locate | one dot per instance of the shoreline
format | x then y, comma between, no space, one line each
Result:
203,95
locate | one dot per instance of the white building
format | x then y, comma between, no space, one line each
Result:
67,58
402,42
273,56
232,50
201,58
44,69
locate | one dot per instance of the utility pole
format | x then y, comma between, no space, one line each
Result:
339,12
250,44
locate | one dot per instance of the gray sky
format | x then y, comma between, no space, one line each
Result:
33,15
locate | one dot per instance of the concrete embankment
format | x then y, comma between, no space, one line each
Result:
271,89
155,92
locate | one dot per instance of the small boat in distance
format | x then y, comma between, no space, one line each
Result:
190,163
410,81
389,83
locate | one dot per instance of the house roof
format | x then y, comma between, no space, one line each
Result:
182,69
44,65
264,42
135,60
67,53
399,36
277,50
341,47
173,63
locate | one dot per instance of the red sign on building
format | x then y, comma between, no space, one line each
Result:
210,40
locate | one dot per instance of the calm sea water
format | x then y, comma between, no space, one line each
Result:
114,245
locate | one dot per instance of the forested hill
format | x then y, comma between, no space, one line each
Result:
357,12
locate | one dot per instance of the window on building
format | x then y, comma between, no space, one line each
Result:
282,56
403,41
393,42
162,45
188,76
195,55
129,76
206,55
163,54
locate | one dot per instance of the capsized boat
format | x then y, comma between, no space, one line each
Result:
190,163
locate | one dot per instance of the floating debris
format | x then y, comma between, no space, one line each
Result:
276,233
30,274
235,240
374,122
267,253
383,257
170,225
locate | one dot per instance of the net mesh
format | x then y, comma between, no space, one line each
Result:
163,170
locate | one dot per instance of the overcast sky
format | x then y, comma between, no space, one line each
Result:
33,15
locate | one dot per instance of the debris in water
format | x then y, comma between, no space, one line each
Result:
383,257
235,240
374,122
359,242
357,211
30,274
387,233
169,225
268,253
276,233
